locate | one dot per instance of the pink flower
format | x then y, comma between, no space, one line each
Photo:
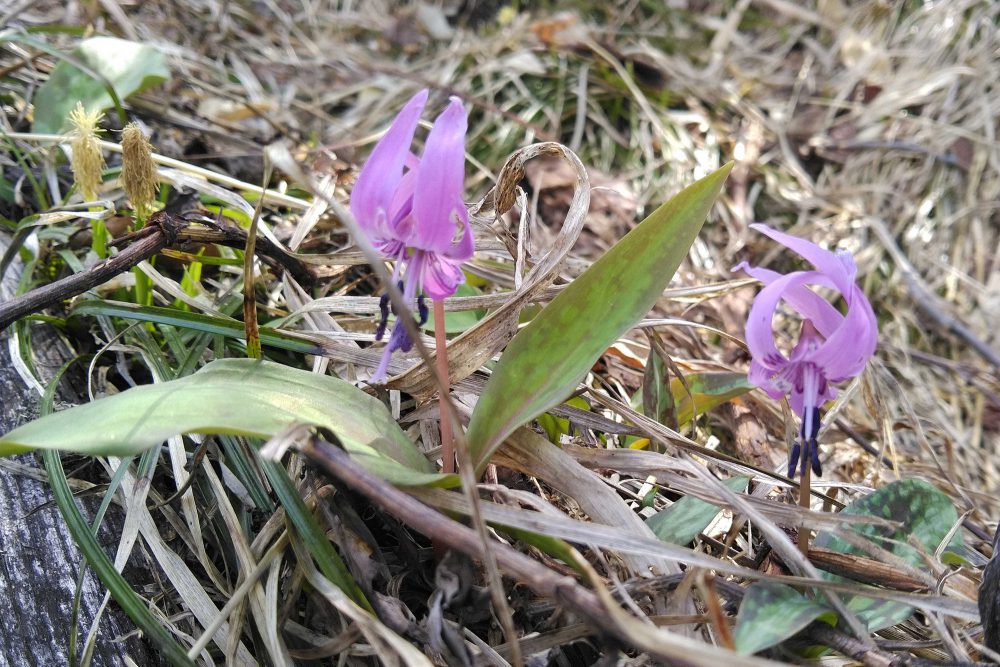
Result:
832,347
411,209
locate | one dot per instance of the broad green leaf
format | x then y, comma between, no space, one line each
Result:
771,613
681,522
237,397
925,515
547,359
127,66
709,390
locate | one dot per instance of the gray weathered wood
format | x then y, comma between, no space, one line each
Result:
39,563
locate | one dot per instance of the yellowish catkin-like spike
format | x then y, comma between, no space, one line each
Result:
87,162
138,176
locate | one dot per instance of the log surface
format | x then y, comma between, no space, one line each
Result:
39,562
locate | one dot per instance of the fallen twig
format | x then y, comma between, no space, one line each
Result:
852,648
162,231
232,236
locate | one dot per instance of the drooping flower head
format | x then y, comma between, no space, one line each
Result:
411,208
832,347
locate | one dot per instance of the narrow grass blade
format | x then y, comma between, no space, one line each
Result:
98,560
327,559
195,321
545,361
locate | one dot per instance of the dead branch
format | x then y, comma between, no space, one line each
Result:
671,648
162,231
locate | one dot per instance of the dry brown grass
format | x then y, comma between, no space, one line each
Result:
869,126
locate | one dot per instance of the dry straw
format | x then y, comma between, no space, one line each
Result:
845,134
138,176
87,161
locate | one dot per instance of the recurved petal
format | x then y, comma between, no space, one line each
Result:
845,352
759,331
806,302
833,265
372,195
400,223
440,180
766,276
763,377
812,306
466,245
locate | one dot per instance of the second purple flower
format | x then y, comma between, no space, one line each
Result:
412,211
832,347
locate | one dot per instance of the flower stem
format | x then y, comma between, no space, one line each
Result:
441,356
804,492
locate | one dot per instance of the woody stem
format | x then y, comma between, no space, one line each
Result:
441,357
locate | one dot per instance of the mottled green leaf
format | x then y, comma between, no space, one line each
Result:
924,514
708,390
879,614
547,359
128,67
681,522
771,613
237,397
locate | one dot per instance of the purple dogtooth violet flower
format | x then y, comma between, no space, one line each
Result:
411,209
832,347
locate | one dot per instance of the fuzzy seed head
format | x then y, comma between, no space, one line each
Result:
138,176
87,161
